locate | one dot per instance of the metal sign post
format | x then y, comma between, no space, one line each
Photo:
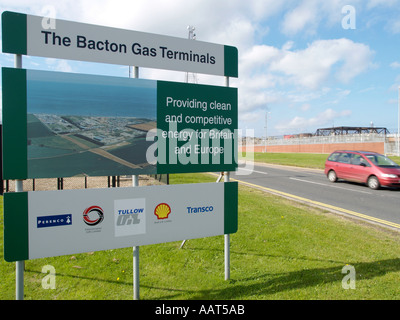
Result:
135,183
19,265
19,187
226,236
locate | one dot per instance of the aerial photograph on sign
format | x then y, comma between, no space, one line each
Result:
85,125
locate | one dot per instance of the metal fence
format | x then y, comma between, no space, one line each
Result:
83,183
391,144
359,138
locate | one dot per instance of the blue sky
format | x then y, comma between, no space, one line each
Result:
310,64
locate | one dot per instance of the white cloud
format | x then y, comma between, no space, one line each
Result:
298,124
377,3
58,65
306,14
393,26
310,15
269,75
257,56
215,21
303,96
395,65
252,116
396,85
312,66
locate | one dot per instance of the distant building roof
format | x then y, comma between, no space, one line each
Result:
350,130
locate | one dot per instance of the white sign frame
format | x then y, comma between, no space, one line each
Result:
28,35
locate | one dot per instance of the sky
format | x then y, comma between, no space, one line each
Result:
303,64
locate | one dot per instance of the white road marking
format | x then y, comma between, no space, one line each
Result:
252,170
331,186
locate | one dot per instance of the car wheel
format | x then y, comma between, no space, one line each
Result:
373,182
332,176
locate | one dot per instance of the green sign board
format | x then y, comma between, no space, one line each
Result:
197,127
63,124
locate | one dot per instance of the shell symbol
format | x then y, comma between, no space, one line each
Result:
162,211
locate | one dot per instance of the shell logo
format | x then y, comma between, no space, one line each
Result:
162,211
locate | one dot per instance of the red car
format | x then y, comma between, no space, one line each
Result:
371,168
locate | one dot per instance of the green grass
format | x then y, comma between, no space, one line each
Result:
282,250
306,160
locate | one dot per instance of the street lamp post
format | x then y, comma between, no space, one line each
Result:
266,132
398,127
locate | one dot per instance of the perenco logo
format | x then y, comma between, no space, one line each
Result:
162,211
93,215
53,221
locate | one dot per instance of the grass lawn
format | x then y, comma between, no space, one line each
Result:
282,250
307,160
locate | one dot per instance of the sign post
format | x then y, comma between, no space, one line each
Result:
226,236
136,274
19,187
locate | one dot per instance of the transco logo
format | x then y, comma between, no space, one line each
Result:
93,215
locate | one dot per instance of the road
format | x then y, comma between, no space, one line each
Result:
311,186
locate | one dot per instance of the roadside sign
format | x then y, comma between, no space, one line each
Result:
53,223
63,124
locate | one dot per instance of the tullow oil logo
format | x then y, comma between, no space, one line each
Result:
162,211
129,217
